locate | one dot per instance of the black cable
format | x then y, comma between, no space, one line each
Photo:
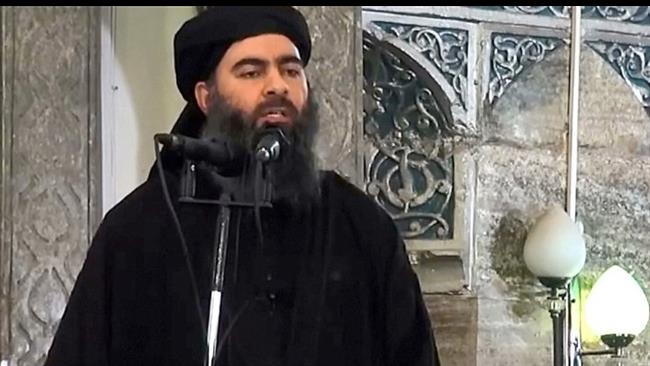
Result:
238,225
179,230
257,187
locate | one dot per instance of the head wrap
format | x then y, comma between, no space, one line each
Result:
202,41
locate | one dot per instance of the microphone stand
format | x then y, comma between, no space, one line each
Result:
236,193
219,265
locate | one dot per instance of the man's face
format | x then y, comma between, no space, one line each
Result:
263,77
260,82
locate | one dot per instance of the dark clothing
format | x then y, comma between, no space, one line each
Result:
331,286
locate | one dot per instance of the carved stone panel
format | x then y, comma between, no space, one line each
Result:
631,62
446,48
410,169
410,135
511,55
49,165
632,14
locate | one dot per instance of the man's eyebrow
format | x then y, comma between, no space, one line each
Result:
289,59
252,61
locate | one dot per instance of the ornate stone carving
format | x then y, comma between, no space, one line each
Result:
633,14
631,62
510,56
410,165
445,48
50,62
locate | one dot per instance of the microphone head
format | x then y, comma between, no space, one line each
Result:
167,139
268,147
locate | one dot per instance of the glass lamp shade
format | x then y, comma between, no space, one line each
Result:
616,304
554,246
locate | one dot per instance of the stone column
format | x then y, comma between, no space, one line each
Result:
50,169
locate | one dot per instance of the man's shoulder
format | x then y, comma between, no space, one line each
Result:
136,219
356,202
142,200
373,230
130,225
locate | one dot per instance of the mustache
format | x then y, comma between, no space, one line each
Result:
275,102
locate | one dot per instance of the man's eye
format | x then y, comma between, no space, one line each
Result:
251,74
293,73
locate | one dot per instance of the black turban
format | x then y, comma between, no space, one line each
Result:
202,41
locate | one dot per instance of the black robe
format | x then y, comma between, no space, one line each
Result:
332,286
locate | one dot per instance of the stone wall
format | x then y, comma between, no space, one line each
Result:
614,185
522,167
522,171
335,76
521,163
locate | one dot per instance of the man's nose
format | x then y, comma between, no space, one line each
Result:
276,85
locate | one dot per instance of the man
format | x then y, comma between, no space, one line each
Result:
319,278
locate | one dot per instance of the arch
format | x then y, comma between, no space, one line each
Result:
428,75
408,121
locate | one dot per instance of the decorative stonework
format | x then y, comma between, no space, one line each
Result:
511,55
408,129
632,14
631,62
519,56
447,49
49,162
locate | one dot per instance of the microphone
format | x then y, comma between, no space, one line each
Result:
215,150
268,146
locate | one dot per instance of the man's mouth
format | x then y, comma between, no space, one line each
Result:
274,116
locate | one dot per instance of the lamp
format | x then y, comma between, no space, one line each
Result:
616,309
555,252
555,249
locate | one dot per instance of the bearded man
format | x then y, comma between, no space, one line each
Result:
320,276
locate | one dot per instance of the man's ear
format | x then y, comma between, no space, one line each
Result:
202,96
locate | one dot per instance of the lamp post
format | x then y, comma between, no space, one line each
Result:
616,310
555,252
569,339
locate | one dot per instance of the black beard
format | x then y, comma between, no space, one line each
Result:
294,176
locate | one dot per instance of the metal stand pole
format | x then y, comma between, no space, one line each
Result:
236,192
558,339
219,263
572,164
574,94
558,314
